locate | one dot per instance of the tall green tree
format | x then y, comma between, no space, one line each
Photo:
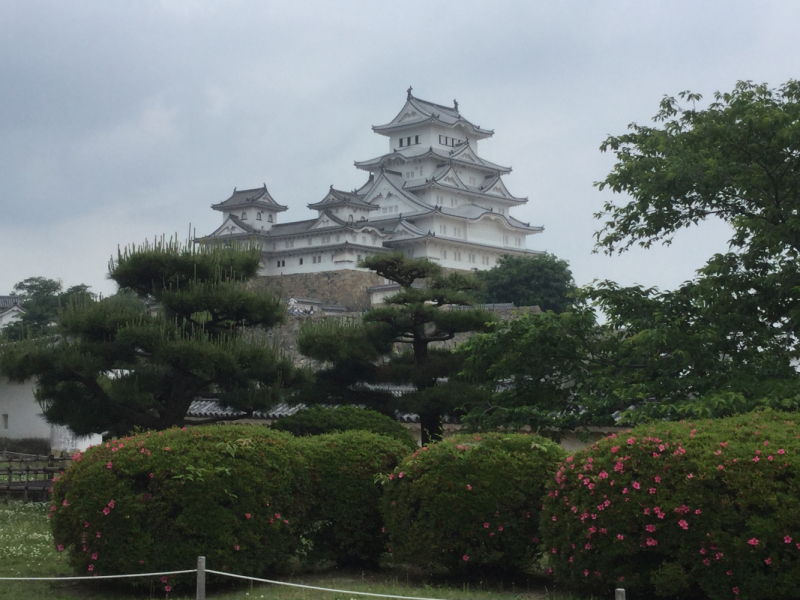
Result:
431,307
738,159
112,366
42,298
723,343
542,280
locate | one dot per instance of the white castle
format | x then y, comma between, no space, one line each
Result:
431,196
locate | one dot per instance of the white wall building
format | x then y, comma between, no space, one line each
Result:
10,310
430,196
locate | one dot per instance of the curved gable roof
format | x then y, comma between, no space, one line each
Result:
258,197
417,111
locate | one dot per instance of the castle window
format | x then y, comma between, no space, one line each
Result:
301,261
402,141
364,240
337,238
444,254
244,216
416,139
309,241
505,240
258,216
269,218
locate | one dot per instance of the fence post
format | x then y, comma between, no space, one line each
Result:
619,594
201,578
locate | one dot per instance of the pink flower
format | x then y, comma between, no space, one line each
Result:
753,542
106,510
555,518
631,441
91,567
588,546
164,579
247,515
60,548
620,536
636,485
549,570
167,588
109,465
166,449
652,490
736,590
586,572
651,528
683,524
718,555
236,547
94,556
465,558
151,475
651,542
787,540
781,451
706,561
622,578
499,528
486,526
98,535
768,561
689,476
111,504
658,479
697,512
401,474
86,523
469,487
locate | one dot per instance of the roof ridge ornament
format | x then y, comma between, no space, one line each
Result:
408,91
455,105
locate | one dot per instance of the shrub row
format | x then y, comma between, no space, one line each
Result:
246,497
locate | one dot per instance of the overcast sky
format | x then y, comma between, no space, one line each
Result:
120,121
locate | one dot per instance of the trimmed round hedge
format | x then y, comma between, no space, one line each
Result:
344,523
470,503
318,420
156,501
708,508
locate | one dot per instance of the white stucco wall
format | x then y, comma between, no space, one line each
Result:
21,417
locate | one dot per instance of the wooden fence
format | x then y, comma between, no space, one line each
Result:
29,476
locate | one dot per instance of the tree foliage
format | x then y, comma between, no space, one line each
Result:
360,355
42,298
541,280
114,367
723,343
662,355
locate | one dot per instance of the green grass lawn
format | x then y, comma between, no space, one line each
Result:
26,550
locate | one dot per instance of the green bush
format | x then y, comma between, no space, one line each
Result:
470,503
677,509
156,501
345,523
317,420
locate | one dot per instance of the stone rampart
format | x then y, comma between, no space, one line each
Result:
347,288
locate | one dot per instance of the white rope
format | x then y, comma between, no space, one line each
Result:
313,587
95,576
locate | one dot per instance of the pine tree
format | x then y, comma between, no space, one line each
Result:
112,366
430,308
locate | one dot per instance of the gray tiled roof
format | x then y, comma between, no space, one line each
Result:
210,409
431,111
9,301
245,198
441,155
339,198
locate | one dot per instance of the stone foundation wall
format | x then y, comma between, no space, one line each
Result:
347,288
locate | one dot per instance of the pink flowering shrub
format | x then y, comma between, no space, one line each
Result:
470,503
344,523
234,494
676,509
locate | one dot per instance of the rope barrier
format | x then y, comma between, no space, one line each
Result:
95,576
313,587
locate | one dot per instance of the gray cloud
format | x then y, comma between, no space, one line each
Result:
122,121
